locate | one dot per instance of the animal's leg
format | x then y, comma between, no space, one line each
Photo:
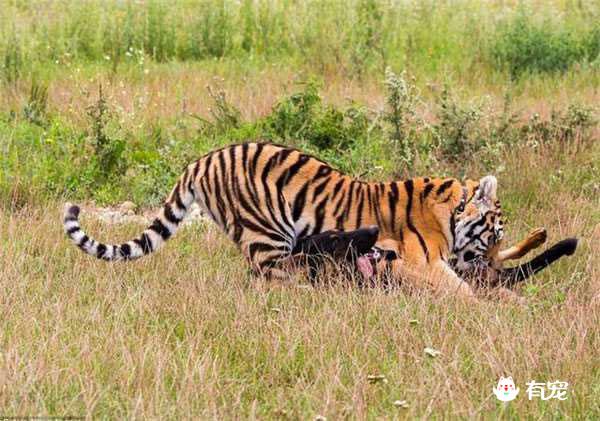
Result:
270,260
534,239
437,276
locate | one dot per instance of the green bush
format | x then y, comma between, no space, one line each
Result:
521,46
302,117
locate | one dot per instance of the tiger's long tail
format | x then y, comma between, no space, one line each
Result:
162,228
509,277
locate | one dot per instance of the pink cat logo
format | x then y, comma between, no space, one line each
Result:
506,390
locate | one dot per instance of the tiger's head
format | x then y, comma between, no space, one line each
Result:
478,227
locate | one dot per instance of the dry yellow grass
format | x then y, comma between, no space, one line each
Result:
188,332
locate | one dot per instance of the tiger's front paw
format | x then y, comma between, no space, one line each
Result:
537,237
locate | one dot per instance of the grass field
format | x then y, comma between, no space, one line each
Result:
102,102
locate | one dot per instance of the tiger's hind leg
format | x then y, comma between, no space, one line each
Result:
269,259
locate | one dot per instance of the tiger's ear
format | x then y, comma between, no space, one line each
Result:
487,188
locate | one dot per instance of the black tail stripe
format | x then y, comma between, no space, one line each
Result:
159,228
73,230
145,243
100,251
83,240
170,216
125,250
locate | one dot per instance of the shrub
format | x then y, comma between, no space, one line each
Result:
108,149
458,127
563,126
35,109
402,100
521,46
302,117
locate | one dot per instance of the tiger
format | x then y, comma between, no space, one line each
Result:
265,197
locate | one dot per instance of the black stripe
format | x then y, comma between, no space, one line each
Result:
339,224
206,175
159,228
178,200
427,190
283,209
289,173
82,241
269,263
207,203
257,247
393,203
220,205
284,179
264,227
245,154
145,243
376,206
444,186
257,153
369,199
196,169
100,251
229,183
264,175
323,171
320,215
337,187
232,159
304,231
300,201
409,186
238,230
170,216
479,222
319,189
283,154
72,230
361,204
246,223
125,251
